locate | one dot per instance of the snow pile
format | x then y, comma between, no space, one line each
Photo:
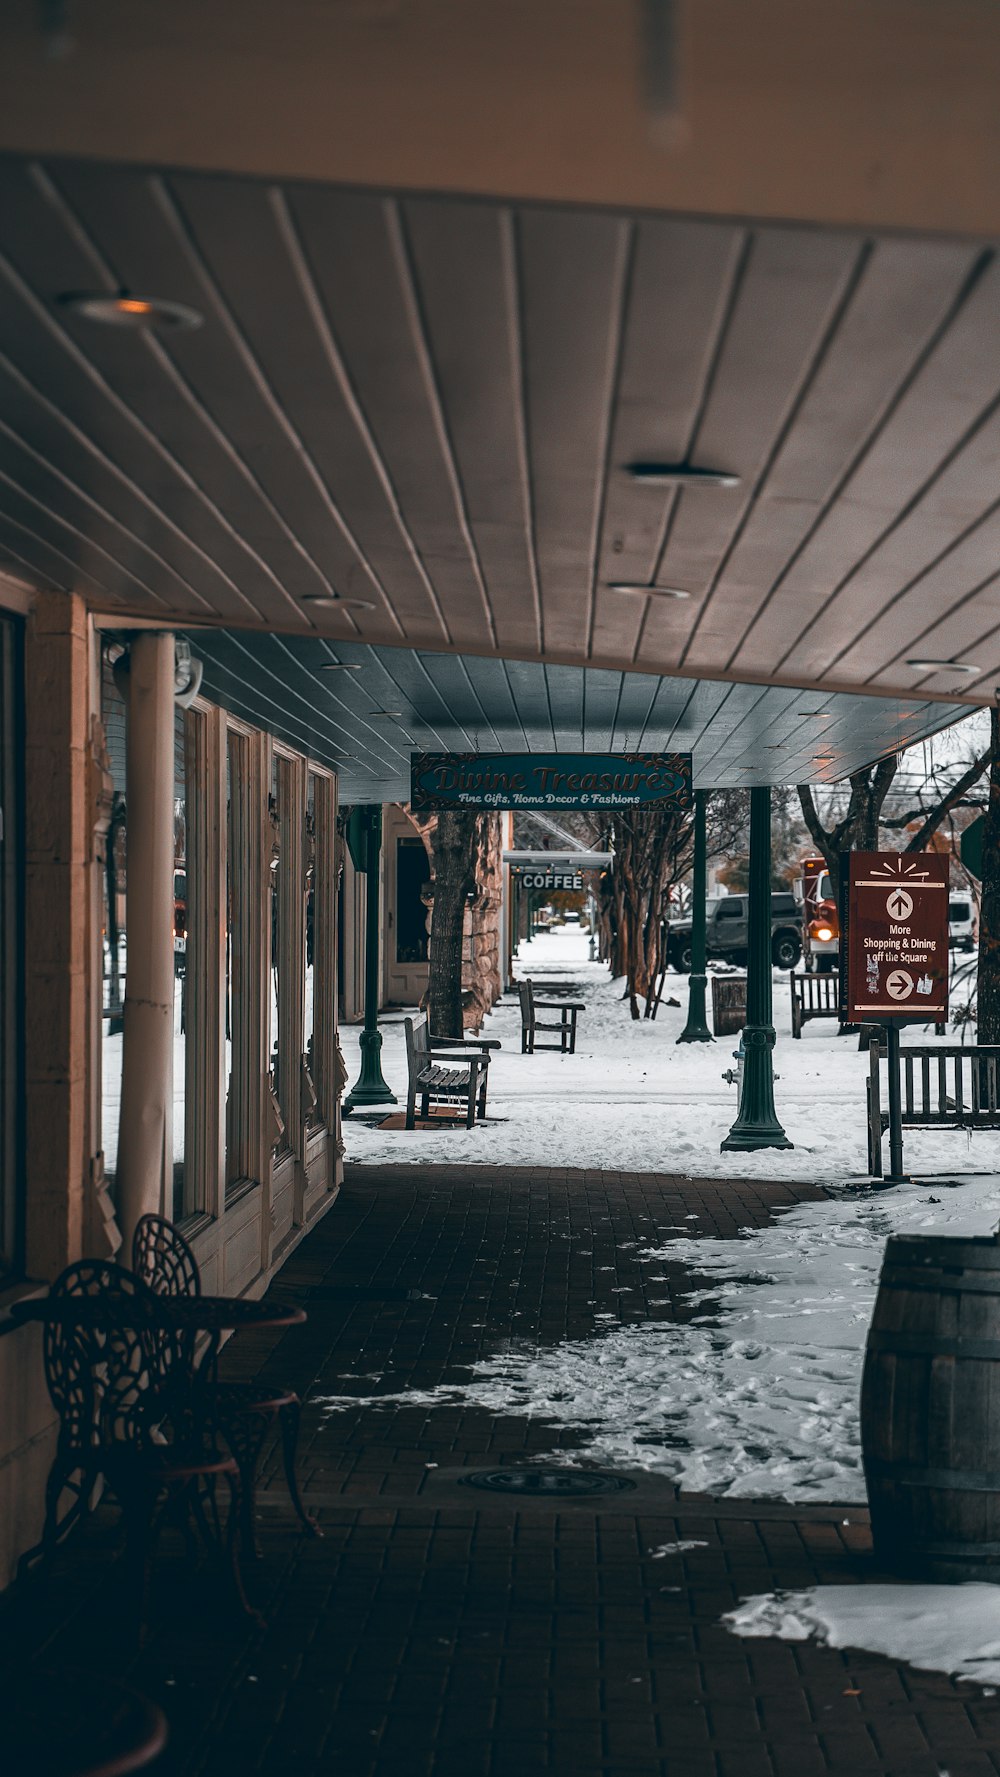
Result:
953,1629
758,1396
632,1098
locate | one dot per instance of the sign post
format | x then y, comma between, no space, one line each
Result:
897,957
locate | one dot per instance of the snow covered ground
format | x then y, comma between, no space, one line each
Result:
634,1099
757,1397
954,1629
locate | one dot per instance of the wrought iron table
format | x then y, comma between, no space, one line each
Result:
152,1358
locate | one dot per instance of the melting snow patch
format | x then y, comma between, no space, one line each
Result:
758,1395
953,1629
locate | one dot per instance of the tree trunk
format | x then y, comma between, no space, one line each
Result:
988,991
453,848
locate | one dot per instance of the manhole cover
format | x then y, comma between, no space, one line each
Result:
548,1480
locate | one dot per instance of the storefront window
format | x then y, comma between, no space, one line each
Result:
310,1019
236,959
114,946
11,950
182,958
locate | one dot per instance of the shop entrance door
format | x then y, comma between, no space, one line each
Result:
407,874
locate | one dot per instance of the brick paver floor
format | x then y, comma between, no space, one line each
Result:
437,1629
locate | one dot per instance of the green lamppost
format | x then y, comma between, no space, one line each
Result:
696,1029
364,838
757,1125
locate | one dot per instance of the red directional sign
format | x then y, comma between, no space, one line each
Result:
897,937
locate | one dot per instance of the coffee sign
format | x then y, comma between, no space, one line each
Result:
547,879
897,937
550,780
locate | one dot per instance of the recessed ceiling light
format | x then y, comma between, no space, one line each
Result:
662,592
125,310
340,666
681,475
395,714
945,666
330,601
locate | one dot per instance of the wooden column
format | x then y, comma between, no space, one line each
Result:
58,840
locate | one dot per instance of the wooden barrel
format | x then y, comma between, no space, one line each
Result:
930,1408
729,1004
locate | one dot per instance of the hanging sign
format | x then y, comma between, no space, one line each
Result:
551,780
547,879
897,937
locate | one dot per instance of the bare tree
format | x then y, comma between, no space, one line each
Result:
858,828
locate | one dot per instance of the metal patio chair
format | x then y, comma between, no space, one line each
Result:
244,1411
129,1415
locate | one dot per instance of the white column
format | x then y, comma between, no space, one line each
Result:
145,1134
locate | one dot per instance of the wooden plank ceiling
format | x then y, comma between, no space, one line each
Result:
364,711
431,404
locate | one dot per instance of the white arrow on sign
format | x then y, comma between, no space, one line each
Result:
899,905
899,985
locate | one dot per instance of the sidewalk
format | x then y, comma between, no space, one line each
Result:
439,1629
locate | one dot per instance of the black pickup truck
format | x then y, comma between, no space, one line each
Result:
726,932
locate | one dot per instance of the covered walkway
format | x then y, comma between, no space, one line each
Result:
438,1628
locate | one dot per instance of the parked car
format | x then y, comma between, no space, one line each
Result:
726,932
962,934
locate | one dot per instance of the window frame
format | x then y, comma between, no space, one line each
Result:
12,933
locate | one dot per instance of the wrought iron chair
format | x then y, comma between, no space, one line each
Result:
128,1414
244,1411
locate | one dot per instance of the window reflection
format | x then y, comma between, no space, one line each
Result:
114,945
181,956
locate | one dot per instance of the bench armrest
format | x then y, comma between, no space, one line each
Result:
561,1006
450,1055
466,1042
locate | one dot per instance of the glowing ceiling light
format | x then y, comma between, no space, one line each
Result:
124,310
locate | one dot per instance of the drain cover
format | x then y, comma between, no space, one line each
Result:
548,1481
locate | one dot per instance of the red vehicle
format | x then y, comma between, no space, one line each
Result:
820,919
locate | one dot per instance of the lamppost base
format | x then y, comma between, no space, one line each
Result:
370,1088
756,1125
743,1137
696,1029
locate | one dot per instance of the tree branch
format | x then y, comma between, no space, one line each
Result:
947,803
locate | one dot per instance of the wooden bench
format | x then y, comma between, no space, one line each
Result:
941,1087
530,1022
813,996
434,1075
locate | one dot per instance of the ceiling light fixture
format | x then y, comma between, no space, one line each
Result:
125,310
662,592
397,715
340,666
681,475
329,600
945,666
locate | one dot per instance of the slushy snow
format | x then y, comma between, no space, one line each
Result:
953,1629
757,1397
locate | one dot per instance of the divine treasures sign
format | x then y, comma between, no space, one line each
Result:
897,937
551,780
